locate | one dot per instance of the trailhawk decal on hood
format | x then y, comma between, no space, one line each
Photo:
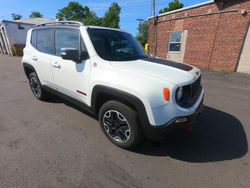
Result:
169,63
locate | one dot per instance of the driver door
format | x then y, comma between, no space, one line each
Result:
71,78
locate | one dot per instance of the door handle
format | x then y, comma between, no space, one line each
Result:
34,58
56,65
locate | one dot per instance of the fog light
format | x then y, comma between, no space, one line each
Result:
181,120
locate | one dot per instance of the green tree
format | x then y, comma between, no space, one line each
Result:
174,5
73,11
112,16
142,35
16,16
92,19
36,14
77,12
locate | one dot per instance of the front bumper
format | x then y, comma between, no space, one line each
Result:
158,133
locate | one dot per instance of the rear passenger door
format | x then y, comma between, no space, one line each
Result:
71,78
43,48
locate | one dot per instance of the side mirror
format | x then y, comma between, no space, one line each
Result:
84,55
70,54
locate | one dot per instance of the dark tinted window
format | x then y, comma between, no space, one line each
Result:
33,38
66,38
175,47
116,45
44,41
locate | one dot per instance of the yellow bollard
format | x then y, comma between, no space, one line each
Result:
147,47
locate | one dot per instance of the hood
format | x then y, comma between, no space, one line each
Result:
176,73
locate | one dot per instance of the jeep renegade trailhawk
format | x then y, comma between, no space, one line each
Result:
108,73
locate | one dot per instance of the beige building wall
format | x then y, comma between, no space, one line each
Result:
244,63
179,56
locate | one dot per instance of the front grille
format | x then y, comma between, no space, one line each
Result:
190,94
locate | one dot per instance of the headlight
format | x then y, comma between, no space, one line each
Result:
179,93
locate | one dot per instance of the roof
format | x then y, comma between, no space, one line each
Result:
30,21
35,21
187,8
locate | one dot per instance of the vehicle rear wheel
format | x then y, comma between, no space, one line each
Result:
120,124
36,87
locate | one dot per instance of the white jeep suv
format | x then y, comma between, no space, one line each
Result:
108,73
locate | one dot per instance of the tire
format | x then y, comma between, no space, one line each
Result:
120,125
36,87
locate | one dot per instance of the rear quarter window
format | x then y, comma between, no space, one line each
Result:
33,39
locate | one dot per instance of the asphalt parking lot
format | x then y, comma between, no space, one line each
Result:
54,144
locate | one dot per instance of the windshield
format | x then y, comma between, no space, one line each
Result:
114,45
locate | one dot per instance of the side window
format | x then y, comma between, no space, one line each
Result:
175,41
67,38
44,41
33,38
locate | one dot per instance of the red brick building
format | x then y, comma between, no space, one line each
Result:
212,35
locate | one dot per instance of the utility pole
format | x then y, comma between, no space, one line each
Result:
155,26
140,24
154,8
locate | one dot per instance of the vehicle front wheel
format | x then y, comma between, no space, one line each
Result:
36,87
120,124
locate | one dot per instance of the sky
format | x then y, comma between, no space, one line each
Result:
130,9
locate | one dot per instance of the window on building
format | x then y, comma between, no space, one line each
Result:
44,41
175,41
20,27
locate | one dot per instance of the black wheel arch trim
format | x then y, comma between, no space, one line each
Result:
29,66
114,94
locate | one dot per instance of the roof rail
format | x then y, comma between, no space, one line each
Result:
60,23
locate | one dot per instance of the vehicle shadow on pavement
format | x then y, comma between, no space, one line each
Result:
71,105
217,136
